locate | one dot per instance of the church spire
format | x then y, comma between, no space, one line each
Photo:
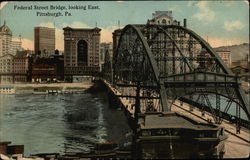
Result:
4,23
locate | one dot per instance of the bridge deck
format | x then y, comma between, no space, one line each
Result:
236,146
124,101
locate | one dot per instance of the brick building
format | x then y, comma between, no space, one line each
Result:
49,69
22,66
44,72
81,51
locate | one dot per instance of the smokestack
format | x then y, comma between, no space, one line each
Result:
185,22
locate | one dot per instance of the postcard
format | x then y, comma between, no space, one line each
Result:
124,79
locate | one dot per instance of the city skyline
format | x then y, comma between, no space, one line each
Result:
220,22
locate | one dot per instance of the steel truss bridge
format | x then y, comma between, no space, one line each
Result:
155,65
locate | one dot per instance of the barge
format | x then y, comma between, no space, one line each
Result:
175,136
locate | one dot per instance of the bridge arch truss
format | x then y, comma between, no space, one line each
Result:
154,65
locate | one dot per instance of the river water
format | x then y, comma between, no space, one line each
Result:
61,123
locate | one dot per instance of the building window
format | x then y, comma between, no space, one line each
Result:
164,21
82,52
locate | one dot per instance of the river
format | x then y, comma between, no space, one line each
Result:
61,123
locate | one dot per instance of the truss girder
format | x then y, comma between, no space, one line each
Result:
176,61
134,64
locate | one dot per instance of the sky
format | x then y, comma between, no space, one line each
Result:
220,22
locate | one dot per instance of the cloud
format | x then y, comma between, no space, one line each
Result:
46,24
106,34
205,13
2,4
76,24
26,43
218,41
233,25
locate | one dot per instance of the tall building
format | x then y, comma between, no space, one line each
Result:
225,55
22,66
44,41
116,36
81,51
104,47
6,69
5,39
15,47
15,68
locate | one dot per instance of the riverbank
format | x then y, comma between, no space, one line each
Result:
41,88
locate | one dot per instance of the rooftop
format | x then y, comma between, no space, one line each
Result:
173,120
81,29
45,28
4,28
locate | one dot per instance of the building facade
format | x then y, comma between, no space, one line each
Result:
81,51
44,73
116,36
163,18
105,47
15,47
5,39
22,67
44,41
14,69
243,63
225,55
49,69
242,69
6,69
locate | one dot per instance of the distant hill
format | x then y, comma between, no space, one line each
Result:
238,52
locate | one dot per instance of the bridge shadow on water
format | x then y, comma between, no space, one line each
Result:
96,121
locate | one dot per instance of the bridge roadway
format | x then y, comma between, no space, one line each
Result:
236,146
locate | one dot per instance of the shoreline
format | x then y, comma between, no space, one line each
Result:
44,88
